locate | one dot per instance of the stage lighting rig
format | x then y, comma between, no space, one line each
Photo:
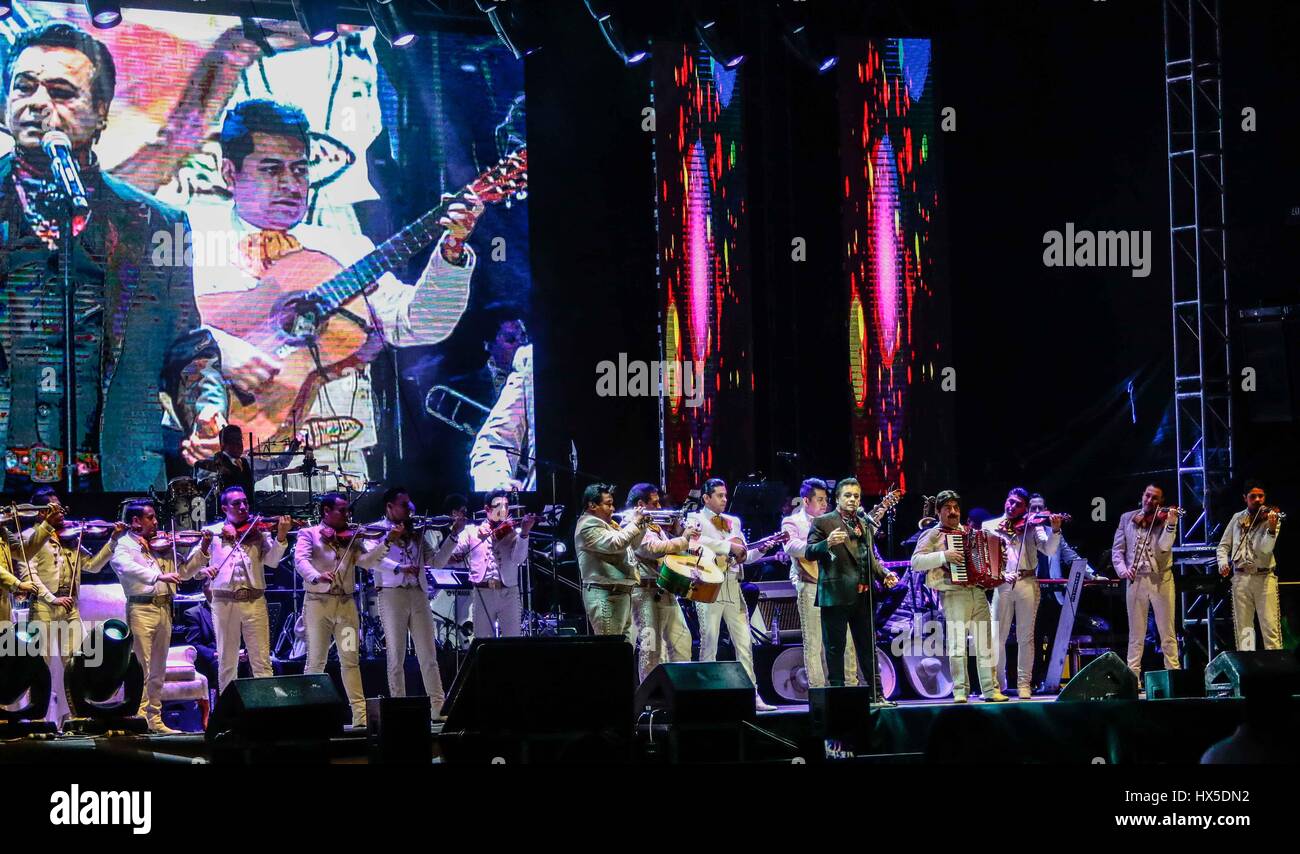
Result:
717,25
104,14
515,23
613,24
391,23
318,18
808,33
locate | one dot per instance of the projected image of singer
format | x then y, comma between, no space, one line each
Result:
142,361
278,256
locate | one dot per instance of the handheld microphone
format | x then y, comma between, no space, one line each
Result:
58,147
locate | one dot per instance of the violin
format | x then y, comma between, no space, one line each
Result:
501,530
1249,521
1161,516
92,528
263,525
165,541
1039,517
365,532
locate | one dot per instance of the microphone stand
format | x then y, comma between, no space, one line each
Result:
66,256
869,529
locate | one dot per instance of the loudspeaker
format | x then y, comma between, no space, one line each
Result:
1237,674
1169,684
701,706
280,707
399,730
1106,677
548,699
843,714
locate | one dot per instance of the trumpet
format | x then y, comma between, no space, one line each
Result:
663,518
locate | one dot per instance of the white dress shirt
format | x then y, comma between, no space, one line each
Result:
138,567
242,566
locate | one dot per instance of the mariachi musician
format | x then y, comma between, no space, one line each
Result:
1246,553
656,617
493,551
1143,556
965,606
606,559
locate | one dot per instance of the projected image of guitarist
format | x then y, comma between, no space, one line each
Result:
300,309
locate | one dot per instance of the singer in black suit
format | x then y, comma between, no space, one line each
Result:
840,542
196,629
231,466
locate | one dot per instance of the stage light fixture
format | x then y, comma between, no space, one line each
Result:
318,18
629,49
717,31
514,25
6,7
811,38
391,23
104,14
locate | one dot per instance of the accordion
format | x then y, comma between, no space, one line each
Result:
985,556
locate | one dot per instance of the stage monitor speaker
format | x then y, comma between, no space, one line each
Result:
546,699
842,714
1237,674
298,708
1106,677
399,730
700,706
1171,684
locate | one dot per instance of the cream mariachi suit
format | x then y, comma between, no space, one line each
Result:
1147,553
404,609
797,526
239,600
149,612
495,609
329,609
655,613
1254,580
965,614
730,604
1020,598
608,565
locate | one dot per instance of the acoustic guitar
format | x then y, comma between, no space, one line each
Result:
309,311
891,498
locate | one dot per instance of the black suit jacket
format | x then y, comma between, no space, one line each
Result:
232,475
840,569
153,341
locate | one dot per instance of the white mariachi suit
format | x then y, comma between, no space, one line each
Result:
56,571
404,610
1148,554
797,525
660,627
1019,599
1254,580
149,612
730,604
239,600
330,610
965,613
495,609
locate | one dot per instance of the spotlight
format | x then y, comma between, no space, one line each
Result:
22,672
391,23
719,36
6,7
104,14
106,663
629,49
810,39
514,25
318,18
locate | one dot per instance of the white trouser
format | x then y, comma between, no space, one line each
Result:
661,631
495,613
334,620
966,617
1021,601
405,610
232,621
1256,594
151,635
730,606
62,638
1144,592
814,655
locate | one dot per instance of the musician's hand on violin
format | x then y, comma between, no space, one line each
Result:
1273,519
891,580
396,532
955,556
25,588
204,440
119,528
64,602
205,541
170,577
459,221
837,537
1056,519
282,527
529,521
228,532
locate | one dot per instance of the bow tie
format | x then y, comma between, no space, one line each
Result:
721,524
258,251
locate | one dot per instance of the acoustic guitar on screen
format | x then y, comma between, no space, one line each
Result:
316,320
